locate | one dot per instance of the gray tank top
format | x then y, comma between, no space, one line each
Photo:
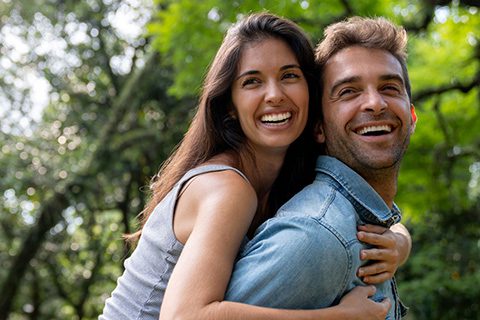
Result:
139,292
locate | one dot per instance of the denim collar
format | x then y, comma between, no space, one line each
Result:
370,206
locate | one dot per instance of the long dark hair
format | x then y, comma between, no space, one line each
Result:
213,130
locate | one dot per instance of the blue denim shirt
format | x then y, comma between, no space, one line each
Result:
307,256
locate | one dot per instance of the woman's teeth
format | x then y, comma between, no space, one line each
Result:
276,118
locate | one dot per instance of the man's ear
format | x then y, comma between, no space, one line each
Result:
319,133
414,117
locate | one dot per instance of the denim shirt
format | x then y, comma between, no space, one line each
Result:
307,256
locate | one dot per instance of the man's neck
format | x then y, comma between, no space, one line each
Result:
385,184
382,180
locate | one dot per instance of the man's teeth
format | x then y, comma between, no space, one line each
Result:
369,129
277,117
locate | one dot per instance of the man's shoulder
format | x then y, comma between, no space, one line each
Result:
299,237
313,194
323,204
321,197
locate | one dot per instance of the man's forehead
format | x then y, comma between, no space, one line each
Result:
357,62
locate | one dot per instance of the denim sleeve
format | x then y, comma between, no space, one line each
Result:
294,263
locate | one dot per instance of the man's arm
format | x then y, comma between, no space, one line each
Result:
290,263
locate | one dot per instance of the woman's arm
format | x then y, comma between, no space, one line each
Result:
353,306
212,217
223,205
392,248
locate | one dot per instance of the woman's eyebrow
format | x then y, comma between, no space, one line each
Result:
250,72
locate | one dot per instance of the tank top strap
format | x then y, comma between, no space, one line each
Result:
208,168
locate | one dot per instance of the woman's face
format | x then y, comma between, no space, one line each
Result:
270,95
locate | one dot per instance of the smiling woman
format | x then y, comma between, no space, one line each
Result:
270,95
254,105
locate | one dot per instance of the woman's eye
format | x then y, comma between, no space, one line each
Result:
291,75
250,81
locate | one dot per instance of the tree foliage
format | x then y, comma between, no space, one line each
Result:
121,79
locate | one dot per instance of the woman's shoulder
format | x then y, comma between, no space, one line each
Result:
220,180
217,197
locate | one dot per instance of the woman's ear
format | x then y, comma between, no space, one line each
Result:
232,112
318,133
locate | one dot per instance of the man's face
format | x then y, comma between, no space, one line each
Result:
368,118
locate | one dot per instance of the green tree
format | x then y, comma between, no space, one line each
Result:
119,99
71,178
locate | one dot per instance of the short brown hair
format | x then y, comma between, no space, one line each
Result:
374,33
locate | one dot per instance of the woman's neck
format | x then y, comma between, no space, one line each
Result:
262,170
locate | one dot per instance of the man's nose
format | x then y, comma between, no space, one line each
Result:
374,102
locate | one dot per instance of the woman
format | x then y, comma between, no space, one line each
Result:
246,152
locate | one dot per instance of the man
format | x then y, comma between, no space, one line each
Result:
308,255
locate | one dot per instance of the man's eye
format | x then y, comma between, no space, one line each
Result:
345,92
391,88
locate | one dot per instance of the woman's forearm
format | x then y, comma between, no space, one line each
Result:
226,310
354,306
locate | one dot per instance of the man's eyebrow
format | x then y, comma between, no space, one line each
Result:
249,72
340,82
393,76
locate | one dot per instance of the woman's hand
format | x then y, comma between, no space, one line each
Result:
392,248
357,305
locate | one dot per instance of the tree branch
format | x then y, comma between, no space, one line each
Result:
49,215
428,92
348,8
442,122
56,275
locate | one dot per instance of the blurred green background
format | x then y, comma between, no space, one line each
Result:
94,94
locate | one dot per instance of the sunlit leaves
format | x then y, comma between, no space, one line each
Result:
189,33
74,60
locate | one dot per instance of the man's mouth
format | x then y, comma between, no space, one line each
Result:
374,130
277,118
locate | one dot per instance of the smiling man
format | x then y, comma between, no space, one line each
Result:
308,255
